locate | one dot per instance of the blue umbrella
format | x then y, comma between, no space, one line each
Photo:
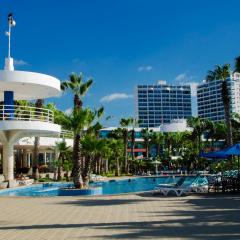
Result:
234,150
225,153
215,155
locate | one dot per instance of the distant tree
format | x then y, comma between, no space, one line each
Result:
237,64
199,126
117,150
146,135
157,139
125,123
223,73
63,150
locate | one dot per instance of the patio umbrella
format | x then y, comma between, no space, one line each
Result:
156,165
215,155
225,153
235,151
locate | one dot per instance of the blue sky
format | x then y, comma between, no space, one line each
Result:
121,43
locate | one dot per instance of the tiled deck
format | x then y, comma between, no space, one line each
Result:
120,217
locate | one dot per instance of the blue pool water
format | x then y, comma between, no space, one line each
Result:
108,187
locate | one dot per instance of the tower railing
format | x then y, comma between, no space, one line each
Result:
66,134
25,113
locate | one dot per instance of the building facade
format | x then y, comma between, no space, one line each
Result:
160,103
209,98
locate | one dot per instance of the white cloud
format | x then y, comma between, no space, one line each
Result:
20,62
186,79
68,111
181,76
145,68
115,96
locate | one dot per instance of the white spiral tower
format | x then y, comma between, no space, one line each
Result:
18,121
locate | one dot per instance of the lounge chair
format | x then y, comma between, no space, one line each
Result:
184,186
97,178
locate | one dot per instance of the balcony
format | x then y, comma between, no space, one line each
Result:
25,113
27,121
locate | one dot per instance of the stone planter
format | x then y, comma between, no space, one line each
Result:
3,185
2,178
80,192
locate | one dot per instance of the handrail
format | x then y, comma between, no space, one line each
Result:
25,113
66,134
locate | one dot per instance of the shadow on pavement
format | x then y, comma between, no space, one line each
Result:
211,217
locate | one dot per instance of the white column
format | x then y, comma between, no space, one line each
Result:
45,158
29,159
8,162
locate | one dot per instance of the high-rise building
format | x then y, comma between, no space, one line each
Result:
160,103
209,98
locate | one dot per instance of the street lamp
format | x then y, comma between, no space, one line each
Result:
9,60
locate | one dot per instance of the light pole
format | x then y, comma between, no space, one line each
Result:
9,61
11,23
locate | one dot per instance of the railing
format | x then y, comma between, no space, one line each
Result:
66,134
25,113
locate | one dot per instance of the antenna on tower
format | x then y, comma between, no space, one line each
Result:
9,60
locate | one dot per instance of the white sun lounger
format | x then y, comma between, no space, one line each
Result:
184,186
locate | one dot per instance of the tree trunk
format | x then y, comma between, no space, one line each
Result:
226,103
158,150
126,154
147,150
99,165
86,170
59,174
199,144
133,144
38,104
106,166
36,157
77,102
117,171
76,172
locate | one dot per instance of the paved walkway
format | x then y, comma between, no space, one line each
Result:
120,217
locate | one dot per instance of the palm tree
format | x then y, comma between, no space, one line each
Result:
157,138
106,154
117,150
38,105
63,149
169,142
146,135
135,123
199,126
223,73
79,121
220,131
124,124
89,145
237,64
77,87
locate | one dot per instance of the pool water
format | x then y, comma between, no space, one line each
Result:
108,187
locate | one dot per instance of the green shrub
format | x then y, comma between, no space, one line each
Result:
45,180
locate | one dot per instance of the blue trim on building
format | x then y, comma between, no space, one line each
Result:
9,100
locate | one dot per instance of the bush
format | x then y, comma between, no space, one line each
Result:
46,180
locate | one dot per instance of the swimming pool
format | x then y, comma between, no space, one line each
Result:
109,187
